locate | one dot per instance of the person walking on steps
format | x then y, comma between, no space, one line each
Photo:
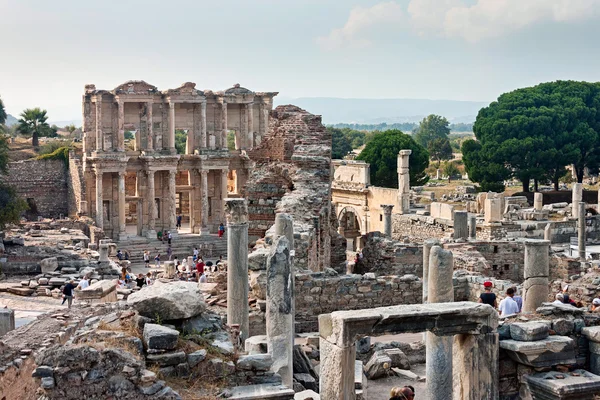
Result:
221,230
169,237
68,293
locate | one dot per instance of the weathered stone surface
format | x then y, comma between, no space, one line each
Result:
578,384
259,392
542,353
47,383
255,362
43,371
159,337
49,265
563,326
307,381
169,301
307,395
7,320
166,359
256,344
196,357
378,366
592,333
528,331
399,359
152,389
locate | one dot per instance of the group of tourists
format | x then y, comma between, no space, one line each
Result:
70,287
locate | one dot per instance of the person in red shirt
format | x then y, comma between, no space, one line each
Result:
199,268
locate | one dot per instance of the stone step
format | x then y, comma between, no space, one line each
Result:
262,392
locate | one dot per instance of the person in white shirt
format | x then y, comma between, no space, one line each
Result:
83,283
508,306
560,299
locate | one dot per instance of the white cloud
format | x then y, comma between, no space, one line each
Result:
356,31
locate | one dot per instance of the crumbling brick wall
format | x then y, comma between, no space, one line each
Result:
75,184
498,259
390,257
418,228
43,184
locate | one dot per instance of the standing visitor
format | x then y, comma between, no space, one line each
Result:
196,252
84,283
169,252
68,293
169,237
147,259
157,261
487,297
221,230
199,268
508,306
178,225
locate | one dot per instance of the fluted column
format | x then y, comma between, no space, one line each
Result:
121,194
172,127
99,133
204,216
224,125
250,136
203,143
99,206
150,198
121,126
149,129
223,185
172,205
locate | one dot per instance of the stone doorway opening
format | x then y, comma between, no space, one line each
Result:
349,228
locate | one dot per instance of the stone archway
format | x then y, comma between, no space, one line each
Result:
349,226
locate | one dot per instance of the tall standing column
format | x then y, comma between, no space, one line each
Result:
121,194
535,286
439,348
203,143
461,229
204,216
99,132
99,205
121,126
224,125
223,185
387,219
538,201
244,126
472,227
149,128
404,181
236,211
427,245
476,366
250,114
576,197
172,127
172,201
151,199
581,231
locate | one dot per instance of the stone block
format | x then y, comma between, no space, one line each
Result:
260,392
255,362
7,321
169,301
307,381
158,337
167,359
256,344
399,359
528,331
563,326
378,366
578,384
542,353
196,357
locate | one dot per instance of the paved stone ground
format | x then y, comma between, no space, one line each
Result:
27,309
380,388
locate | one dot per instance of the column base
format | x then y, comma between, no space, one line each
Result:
204,231
151,234
123,236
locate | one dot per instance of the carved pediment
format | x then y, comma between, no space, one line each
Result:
237,89
135,87
187,88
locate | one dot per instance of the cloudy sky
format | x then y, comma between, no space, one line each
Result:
433,49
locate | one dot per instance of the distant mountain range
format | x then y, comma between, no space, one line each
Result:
373,111
10,120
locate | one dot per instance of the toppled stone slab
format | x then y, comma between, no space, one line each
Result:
378,366
49,265
158,337
166,359
196,357
399,359
578,384
256,344
101,291
260,392
169,301
592,333
558,309
528,331
255,362
542,353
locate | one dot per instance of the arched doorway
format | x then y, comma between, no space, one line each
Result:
349,227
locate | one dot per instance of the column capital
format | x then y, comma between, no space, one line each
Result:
121,173
203,171
236,211
150,172
387,208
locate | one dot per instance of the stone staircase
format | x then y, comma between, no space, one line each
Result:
182,246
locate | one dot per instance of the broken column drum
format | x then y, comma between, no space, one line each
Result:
577,196
387,219
427,245
404,181
472,227
581,231
236,211
535,286
461,228
538,201
548,232
439,348
7,320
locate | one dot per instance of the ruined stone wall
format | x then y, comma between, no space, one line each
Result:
562,231
43,184
419,228
75,185
390,257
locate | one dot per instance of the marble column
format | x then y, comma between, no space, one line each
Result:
236,211
536,271
427,245
121,126
172,203
99,132
461,225
404,181
151,199
203,140
387,219
538,201
577,196
170,269
149,127
472,227
224,125
250,136
99,198
280,309
223,185
172,127
439,348
581,231
284,226
204,230
548,232
121,194
476,367
263,119
7,321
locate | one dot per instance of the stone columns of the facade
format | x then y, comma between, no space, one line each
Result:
223,185
203,139
387,219
472,227
204,230
535,286
280,309
151,199
476,366
121,126
172,203
99,132
250,136
577,196
99,200
538,201
439,348
461,225
121,194
404,181
224,125
236,211
171,127
427,245
581,231
149,128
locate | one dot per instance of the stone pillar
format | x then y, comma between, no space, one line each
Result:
404,181
472,227
120,128
103,251
461,228
284,226
592,333
548,232
151,199
99,133
577,196
172,203
99,205
387,219
427,245
7,321
280,309
476,367
224,125
492,210
581,237
171,127
439,348
149,128
121,194
204,230
250,115
170,269
236,211
223,185
203,143
350,244
535,286
538,201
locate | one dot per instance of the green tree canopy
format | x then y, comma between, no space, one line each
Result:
382,153
340,145
533,133
3,115
440,149
33,123
432,127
